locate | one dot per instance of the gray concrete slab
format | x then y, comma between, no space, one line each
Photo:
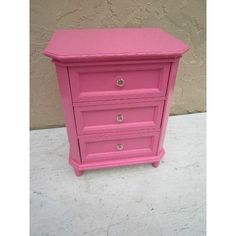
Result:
125,201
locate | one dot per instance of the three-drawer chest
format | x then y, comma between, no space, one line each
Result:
116,87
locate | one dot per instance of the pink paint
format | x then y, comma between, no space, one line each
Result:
116,87
94,44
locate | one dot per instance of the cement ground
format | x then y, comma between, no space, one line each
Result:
125,201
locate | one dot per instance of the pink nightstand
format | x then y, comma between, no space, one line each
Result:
116,87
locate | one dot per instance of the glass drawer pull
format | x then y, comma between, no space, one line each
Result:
119,118
120,82
119,147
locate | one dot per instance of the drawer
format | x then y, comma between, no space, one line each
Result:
118,146
124,116
118,81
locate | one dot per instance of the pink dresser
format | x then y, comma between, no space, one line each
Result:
116,87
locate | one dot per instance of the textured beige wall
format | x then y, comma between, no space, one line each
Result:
183,18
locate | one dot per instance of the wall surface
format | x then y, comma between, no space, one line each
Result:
185,19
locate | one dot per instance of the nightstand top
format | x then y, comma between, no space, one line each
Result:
118,43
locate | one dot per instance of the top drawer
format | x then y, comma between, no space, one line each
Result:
93,83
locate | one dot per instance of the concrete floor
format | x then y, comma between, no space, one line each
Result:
125,201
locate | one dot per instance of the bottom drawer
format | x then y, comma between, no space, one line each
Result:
106,147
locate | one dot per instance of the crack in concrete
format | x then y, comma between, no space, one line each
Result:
113,13
66,14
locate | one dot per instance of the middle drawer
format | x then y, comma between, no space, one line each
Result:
124,116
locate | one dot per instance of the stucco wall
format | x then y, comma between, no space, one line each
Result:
183,18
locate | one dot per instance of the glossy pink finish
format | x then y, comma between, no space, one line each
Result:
116,87
113,44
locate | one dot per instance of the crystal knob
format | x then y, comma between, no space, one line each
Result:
119,147
120,82
119,118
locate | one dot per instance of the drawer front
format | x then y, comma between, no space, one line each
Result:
121,81
119,117
118,146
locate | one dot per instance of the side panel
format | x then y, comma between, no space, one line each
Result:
66,101
170,91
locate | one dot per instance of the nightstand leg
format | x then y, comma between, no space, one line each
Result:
155,164
78,172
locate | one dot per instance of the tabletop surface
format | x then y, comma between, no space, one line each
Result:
75,44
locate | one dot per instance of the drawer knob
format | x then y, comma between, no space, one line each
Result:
119,118
119,147
120,82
